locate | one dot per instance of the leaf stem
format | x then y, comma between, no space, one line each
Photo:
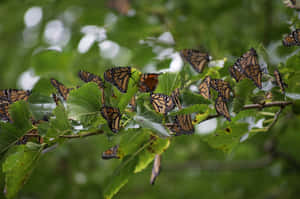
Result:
82,135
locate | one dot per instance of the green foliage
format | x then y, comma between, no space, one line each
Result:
225,30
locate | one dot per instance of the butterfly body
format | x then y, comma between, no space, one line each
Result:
279,81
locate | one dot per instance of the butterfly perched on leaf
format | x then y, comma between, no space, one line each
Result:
112,116
236,73
161,103
204,87
247,66
196,58
119,77
279,81
221,107
90,77
156,169
111,153
292,39
222,87
148,82
62,89
182,126
9,96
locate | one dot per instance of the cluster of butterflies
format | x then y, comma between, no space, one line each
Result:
246,66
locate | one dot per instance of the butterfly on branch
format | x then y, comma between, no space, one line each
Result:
204,87
90,77
62,89
182,126
161,103
119,77
197,59
222,87
111,153
148,82
221,107
112,116
279,81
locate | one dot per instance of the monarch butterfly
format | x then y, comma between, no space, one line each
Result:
255,74
13,95
292,39
32,136
90,77
119,77
182,126
175,98
236,73
155,169
204,87
112,116
222,87
221,107
197,59
279,81
162,103
63,91
111,153
148,82
248,59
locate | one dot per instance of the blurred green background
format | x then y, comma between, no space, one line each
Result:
93,36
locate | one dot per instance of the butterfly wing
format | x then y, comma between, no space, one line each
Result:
222,87
254,73
279,81
148,82
4,114
221,107
296,36
119,77
204,87
162,103
63,91
112,116
90,77
111,153
236,73
182,126
197,59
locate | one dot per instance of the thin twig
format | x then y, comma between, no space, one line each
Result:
82,135
275,118
270,104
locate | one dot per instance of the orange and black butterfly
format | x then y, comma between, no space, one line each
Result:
112,116
221,107
236,73
63,91
119,77
162,103
148,82
292,39
196,58
175,97
222,87
13,95
156,169
90,77
111,153
279,81
4,114
182,126
204,87
31,136
248,59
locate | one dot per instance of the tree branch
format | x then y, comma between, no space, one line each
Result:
82,135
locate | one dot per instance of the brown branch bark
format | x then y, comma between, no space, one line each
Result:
82,135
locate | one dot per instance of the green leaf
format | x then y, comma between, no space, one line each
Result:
156,127
194,98
243,91
84,103
60,124
167,83
197,108
18,167
226,138
146,157
11,132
